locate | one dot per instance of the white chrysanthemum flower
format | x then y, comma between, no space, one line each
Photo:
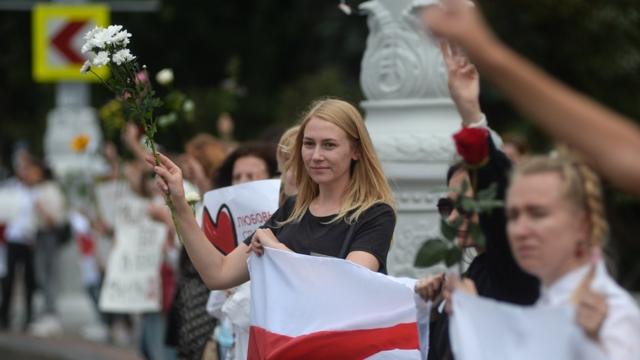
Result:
111,31
91,33
188,106
86,47
164,77
121,38
101,59
85,67
192,197
100,39
122,56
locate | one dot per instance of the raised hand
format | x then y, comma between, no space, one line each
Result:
458,21
168,177
591,307
464,82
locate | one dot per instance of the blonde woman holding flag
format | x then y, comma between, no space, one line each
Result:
344,207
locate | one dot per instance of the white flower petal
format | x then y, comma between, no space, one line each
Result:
91,33
85,67
164,77
101,59
192,197
122,56
121,38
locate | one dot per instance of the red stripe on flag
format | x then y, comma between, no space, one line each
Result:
349,344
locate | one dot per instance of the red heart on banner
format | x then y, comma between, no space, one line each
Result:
222,231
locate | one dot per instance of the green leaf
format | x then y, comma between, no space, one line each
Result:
453,256
475,231
431,252
467,204
449,231
488,193
465,186
485,205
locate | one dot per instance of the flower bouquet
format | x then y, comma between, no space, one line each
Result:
128,81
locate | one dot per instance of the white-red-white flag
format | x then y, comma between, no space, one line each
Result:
307,307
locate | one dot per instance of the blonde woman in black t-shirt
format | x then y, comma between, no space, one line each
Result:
344,206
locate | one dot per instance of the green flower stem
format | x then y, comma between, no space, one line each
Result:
129,85
167,198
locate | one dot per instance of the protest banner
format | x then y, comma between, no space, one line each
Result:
233,213
108,194
132,282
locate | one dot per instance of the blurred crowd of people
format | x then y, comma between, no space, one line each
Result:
45,222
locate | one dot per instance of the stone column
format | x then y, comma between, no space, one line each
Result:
411,118
72,116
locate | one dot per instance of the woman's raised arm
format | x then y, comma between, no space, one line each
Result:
607,140
216,270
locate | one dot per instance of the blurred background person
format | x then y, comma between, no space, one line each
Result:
202,158
515,146
53,230
20,233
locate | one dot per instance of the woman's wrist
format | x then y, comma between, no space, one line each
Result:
181,206
469,112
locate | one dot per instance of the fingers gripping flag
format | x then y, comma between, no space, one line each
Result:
306,307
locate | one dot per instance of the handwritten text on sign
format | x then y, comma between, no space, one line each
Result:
233,213
132,283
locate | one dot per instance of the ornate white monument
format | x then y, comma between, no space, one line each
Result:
72,117
411,118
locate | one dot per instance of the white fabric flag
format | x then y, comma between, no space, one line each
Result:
485,329
306,307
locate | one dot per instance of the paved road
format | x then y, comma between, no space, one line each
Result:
23,347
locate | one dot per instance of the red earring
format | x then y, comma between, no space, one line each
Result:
580,250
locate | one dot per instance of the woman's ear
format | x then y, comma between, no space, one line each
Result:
355,153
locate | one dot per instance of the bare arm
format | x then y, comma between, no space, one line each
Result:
216,270
463,82
365,259
606,139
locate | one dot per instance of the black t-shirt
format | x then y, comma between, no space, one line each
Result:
318,236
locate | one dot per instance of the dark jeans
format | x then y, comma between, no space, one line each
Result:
17,254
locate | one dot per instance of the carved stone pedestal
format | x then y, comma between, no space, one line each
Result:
411,119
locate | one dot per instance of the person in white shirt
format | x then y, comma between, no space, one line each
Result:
51,214
555,223
20,233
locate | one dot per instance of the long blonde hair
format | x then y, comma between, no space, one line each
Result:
286,147
367,184
283,155
581,187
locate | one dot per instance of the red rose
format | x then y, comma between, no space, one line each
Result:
473,145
